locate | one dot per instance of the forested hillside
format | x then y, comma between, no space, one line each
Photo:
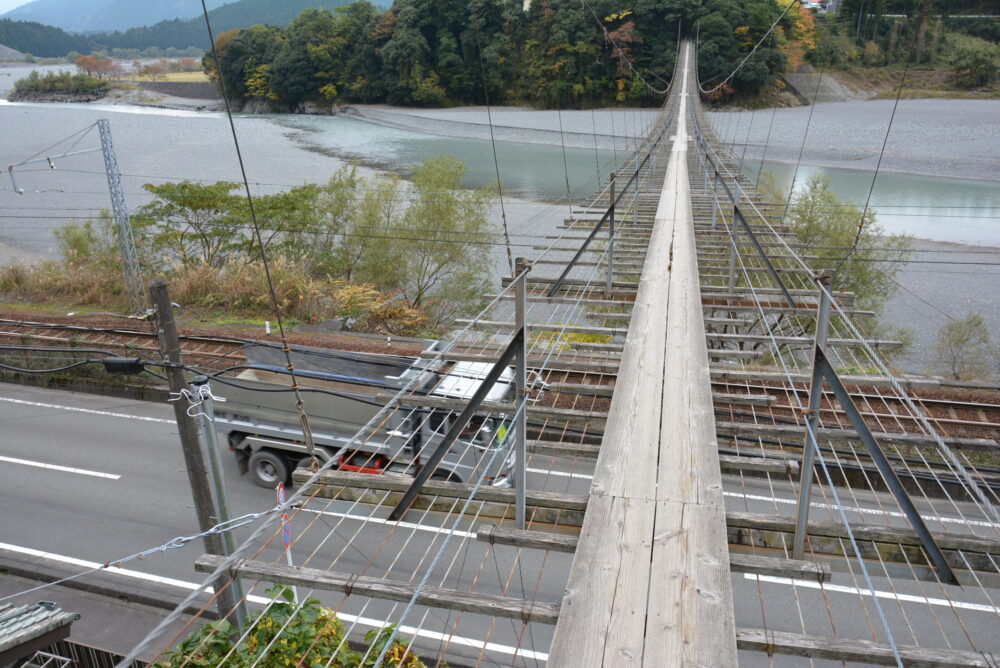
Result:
181,34
435,52
41,40
954,39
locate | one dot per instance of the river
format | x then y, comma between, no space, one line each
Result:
937,181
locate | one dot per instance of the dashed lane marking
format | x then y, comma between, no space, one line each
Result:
857,591
91,411
56,467
354,619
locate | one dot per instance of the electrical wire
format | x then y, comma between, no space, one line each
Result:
172,544
885,141
493,145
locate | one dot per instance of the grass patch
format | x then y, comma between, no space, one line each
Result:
183,77
235,293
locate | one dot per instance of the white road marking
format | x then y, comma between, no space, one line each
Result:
405,525
865,511
91,411
906,598
354,619
565,474
55,467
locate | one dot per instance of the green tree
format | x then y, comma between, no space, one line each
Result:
964,348
976,61
406,54
189,223
289,223
828,228
307,59
362,242
441,258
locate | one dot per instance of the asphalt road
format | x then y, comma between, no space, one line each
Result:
94,479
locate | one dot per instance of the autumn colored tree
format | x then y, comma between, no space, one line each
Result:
86,65
558,53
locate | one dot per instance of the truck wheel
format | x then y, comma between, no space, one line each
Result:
268,469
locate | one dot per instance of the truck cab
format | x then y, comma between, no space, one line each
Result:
343,392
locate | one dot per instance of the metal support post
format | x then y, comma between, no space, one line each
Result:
187,429
13,181
521,268
715,198
635,206
611,236
206,418
892,481
123,226
824,278
635,194
733,252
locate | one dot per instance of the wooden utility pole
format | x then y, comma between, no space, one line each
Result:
187,429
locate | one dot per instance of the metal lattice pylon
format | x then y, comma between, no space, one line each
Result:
123,225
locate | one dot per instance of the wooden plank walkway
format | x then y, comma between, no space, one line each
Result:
649,585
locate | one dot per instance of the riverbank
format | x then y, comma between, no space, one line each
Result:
61,97
184,142
938,138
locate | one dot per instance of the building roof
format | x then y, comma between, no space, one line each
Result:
24,623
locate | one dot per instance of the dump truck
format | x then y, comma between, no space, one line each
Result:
342,391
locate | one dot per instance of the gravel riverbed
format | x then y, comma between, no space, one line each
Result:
959,139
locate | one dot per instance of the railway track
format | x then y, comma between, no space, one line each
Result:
211,353
951,412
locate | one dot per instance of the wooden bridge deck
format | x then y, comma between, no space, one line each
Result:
650,581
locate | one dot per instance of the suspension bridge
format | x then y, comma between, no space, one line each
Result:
714,465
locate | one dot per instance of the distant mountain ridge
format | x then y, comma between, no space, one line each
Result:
181,34
50,42
106,15
41,40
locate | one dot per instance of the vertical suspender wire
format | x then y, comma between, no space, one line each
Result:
614,137
802,148
299,405
562,141
628,148
871,189
447,538
493,144
767,142
736,131
597,157
746,142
